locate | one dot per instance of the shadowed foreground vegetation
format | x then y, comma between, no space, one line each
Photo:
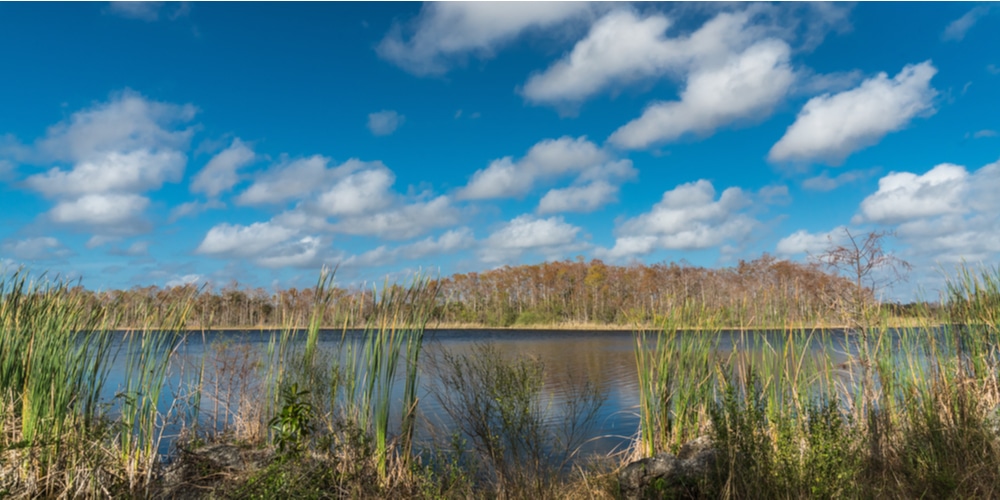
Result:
912,413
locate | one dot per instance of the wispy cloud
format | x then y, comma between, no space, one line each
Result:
148,11
220,174
823,181
38,248
956,30
385,122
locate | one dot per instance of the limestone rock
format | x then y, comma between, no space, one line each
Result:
669,476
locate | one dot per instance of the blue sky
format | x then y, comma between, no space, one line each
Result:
158,144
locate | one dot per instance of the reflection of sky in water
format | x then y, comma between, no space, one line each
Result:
569,357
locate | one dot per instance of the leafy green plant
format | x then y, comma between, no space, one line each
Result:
293,424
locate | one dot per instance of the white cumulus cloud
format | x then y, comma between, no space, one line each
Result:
291,179
402,222
109,213
220,174
831,127
904,196
583,199
450,241
131,172
358,193
745,86
303,252
548,159
595,187
244,241
268,244
945,215
446,32
127,122
119,150
552,237
621,48
688,217
804,242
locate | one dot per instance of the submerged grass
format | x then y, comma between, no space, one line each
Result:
514,441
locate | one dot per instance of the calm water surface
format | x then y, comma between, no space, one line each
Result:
606,358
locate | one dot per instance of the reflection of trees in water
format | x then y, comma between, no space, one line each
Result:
604,358
233,368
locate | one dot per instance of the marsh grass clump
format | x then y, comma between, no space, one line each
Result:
329,411
59,437
675,371
902,413
520,444
974,299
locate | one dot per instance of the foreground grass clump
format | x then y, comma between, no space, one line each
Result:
520,445
59,437
876,412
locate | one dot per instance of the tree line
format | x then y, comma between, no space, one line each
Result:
764,292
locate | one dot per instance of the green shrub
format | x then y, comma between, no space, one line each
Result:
293,423
528,318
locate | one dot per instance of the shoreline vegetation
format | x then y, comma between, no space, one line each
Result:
765,293
890,322
913,413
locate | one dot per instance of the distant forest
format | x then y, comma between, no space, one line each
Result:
766,292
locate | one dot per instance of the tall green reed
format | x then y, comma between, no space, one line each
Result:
395,328
282,353
799,412
357,383
149,351
674,376
55,358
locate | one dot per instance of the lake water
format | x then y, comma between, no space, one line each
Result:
607,358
